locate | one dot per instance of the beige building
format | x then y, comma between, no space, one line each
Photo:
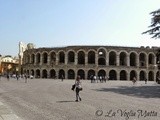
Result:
116,62
9,64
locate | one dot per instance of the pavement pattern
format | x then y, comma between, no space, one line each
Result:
6,113
52,99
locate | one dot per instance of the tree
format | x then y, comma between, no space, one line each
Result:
155,25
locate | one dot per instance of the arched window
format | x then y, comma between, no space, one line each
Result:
81,73
61,57
71,57
133,59
71,74
81,57
52,58
45,58
112,75
38,56
123,75
112,58
123,59
91,57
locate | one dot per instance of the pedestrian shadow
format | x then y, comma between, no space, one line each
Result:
137,91
65,101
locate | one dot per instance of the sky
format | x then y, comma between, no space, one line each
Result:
58,23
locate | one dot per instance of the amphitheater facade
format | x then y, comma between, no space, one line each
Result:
116,62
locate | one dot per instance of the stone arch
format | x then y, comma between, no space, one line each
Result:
52,58
91,57
45,57
61,57
52,73
151,58
123,75
71,74
142,59
112,75
61,73
112,58
81,73
142,75
28,58
133,58
102,51
151,76
38,58
44,73
71,57
81,57
123,58
101,56
38,75
102,73
91,73
133,74
32,58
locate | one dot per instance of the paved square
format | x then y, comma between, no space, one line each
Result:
48,99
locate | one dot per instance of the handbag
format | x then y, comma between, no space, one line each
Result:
73,87
80,89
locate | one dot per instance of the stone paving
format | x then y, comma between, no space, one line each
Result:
6,113
48,99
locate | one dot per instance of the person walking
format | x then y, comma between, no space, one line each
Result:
78,88
8,77
17,76
91,78
145,80
25,76
134,80
94,78
62,77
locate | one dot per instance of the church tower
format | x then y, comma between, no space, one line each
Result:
22,48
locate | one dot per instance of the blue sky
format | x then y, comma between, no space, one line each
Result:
52,23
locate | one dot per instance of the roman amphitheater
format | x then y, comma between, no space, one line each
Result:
116,62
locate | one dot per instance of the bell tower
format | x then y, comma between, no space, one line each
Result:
22,48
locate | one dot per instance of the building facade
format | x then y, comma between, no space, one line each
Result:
23,47
116,62
8,65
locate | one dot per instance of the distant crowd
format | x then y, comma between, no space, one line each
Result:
97,79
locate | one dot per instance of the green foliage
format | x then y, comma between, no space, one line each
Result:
155,25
